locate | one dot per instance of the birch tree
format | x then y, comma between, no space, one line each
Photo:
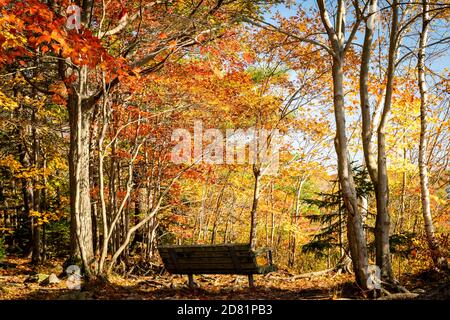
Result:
339,46
438,259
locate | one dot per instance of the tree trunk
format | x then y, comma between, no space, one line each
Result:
355,230
217,209
438,260
24,219
35,198
367,128
401,219
294,217
254,211
341,233
382,224
80,200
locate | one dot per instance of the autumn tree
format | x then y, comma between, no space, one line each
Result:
79,54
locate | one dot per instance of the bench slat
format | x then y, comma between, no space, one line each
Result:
216,271
211,264
179,261
192,255
207,246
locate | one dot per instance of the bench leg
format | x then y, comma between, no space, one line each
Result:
191,281
251,283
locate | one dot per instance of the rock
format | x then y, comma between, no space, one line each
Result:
420,291
39,277
52,279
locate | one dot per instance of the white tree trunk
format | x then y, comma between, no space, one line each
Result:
367,126
438,260
382,224
355,230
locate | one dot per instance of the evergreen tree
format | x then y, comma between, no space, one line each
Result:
332,216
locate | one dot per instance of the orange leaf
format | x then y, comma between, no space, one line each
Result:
163,36
248,57
172,44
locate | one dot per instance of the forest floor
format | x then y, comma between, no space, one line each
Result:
19,281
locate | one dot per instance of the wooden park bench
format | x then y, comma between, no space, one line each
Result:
216,259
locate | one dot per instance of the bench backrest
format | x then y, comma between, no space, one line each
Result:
210,259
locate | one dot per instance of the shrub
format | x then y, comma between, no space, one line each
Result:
2,249
58,238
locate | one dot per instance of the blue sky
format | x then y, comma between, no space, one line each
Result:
439,64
